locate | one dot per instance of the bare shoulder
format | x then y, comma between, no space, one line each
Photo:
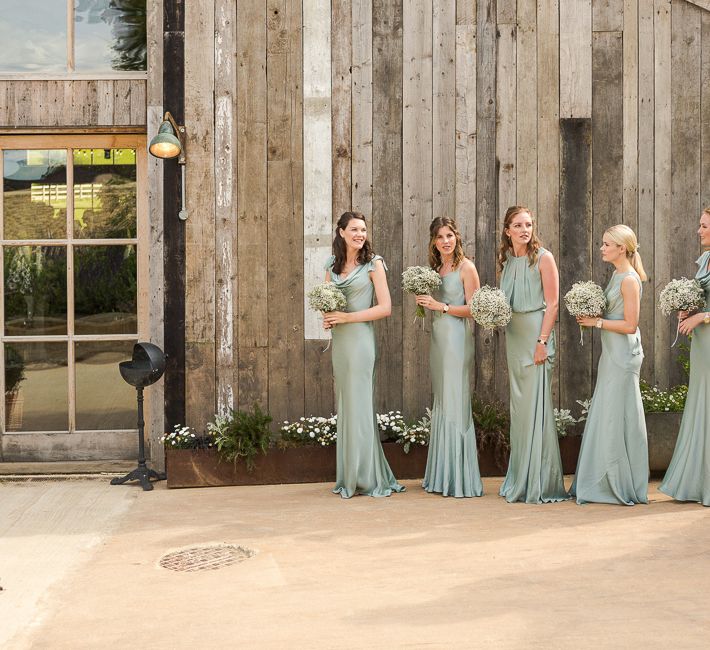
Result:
547,260
630,283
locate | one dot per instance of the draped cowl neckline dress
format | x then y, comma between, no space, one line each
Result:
452,461
613,458
535,467
688,475
361,466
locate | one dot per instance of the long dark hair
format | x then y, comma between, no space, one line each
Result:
534,244
364,255
434,255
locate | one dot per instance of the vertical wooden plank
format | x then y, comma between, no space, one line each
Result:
607,138
466,125
686,58
154,177
608,15
387,190
662,179
526,71
417,188
575,256
506,12
252,204
285,223
630,80
506,150
646,184
575,58
487,217
548,142
362,106
4,103
225,152
122,101
105,98
705,113
200,399
444,108
138,103
341,111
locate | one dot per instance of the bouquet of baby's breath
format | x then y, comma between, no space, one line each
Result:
585,299
490,308
309,431
421,281
681,295
326,297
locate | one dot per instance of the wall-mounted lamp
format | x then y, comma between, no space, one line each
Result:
170,143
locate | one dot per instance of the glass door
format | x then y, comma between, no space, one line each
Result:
73,257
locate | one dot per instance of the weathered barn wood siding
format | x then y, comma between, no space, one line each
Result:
587,111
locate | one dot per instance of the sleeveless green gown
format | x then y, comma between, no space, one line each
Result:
535,467
452,462
361,466
613,459
688,475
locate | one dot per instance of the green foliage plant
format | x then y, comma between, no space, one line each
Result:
492,423
656,400
241,435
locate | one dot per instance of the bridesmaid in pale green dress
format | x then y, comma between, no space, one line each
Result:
613,459
530,281
452,463
360,275
688,475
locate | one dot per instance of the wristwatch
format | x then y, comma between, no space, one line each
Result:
446,308
706,319
599,323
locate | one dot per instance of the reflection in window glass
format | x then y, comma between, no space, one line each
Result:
35,194
33,36
105,291
103,399
110,35
35,290
36,387
104,193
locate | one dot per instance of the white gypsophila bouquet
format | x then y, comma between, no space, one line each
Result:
681,295
391,423
19,277
311,430
326,297
585,299
421,281
490,308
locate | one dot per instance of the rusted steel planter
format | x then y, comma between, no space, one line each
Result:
203,468
662,430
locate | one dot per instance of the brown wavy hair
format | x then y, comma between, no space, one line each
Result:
505,245
434,256
339,248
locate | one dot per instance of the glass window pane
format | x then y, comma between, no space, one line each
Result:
36,387
103,399
33,36
104,193
105,290
110,35
35,290
35,194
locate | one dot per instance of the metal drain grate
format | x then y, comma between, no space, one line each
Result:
205,558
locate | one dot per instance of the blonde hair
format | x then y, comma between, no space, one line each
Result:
505,245
434,256
622,235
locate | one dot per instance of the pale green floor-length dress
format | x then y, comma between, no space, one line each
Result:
688,475
613,459
361,466
452,462
535,467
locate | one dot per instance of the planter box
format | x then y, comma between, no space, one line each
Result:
203,468
662,429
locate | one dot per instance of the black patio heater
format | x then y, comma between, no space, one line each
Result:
144,369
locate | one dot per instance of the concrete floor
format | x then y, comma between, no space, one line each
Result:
79,569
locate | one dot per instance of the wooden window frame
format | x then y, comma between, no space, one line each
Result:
141,242
71,73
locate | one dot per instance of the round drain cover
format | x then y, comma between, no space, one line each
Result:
205,558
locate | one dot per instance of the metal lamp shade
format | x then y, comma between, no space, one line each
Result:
166,143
